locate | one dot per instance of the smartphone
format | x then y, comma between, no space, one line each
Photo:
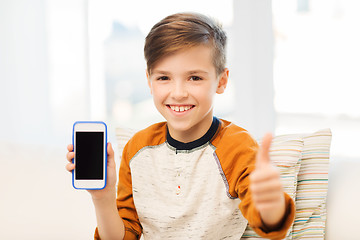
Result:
90,147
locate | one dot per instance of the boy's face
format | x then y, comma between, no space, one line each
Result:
183,86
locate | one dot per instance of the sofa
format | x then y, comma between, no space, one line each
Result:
303,162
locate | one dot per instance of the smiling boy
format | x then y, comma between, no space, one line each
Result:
194,176
183,86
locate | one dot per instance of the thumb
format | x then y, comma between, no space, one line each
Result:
110,155
263,157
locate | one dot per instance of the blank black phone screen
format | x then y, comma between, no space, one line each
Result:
89,155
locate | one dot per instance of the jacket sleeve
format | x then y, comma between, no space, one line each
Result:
124,200
240,155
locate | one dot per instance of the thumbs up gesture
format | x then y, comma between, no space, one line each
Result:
266,187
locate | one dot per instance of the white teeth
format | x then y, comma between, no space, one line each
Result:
180,109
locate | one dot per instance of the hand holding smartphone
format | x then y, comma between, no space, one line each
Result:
90,158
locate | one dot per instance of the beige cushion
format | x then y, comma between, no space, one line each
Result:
312,186
123,135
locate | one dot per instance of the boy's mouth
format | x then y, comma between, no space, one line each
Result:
180,108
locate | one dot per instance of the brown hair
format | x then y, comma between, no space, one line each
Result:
185,30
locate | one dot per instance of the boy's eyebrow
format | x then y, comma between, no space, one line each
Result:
189,72
197,71
160,72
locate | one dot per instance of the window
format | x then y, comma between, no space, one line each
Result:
316,73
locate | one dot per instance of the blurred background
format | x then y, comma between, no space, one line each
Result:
294,68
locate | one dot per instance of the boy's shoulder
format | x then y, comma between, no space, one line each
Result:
232,134
235,150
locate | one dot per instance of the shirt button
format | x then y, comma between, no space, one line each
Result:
178,190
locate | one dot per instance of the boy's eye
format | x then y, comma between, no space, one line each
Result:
195,78
162,78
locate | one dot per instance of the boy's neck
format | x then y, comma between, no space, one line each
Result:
193,134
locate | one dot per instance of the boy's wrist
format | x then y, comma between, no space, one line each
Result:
274,218
105,206
106,200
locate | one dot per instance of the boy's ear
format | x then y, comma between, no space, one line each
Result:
148,81
224,77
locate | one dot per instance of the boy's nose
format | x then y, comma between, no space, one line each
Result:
179,90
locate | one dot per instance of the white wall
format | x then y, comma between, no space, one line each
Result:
24,96
43,85
252,70
43,70
69,65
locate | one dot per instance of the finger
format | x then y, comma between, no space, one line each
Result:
70,156
263,157
70,147
273,185
267,206
267,197
259,176
110,152
70,167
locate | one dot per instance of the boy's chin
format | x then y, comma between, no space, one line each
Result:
180,126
